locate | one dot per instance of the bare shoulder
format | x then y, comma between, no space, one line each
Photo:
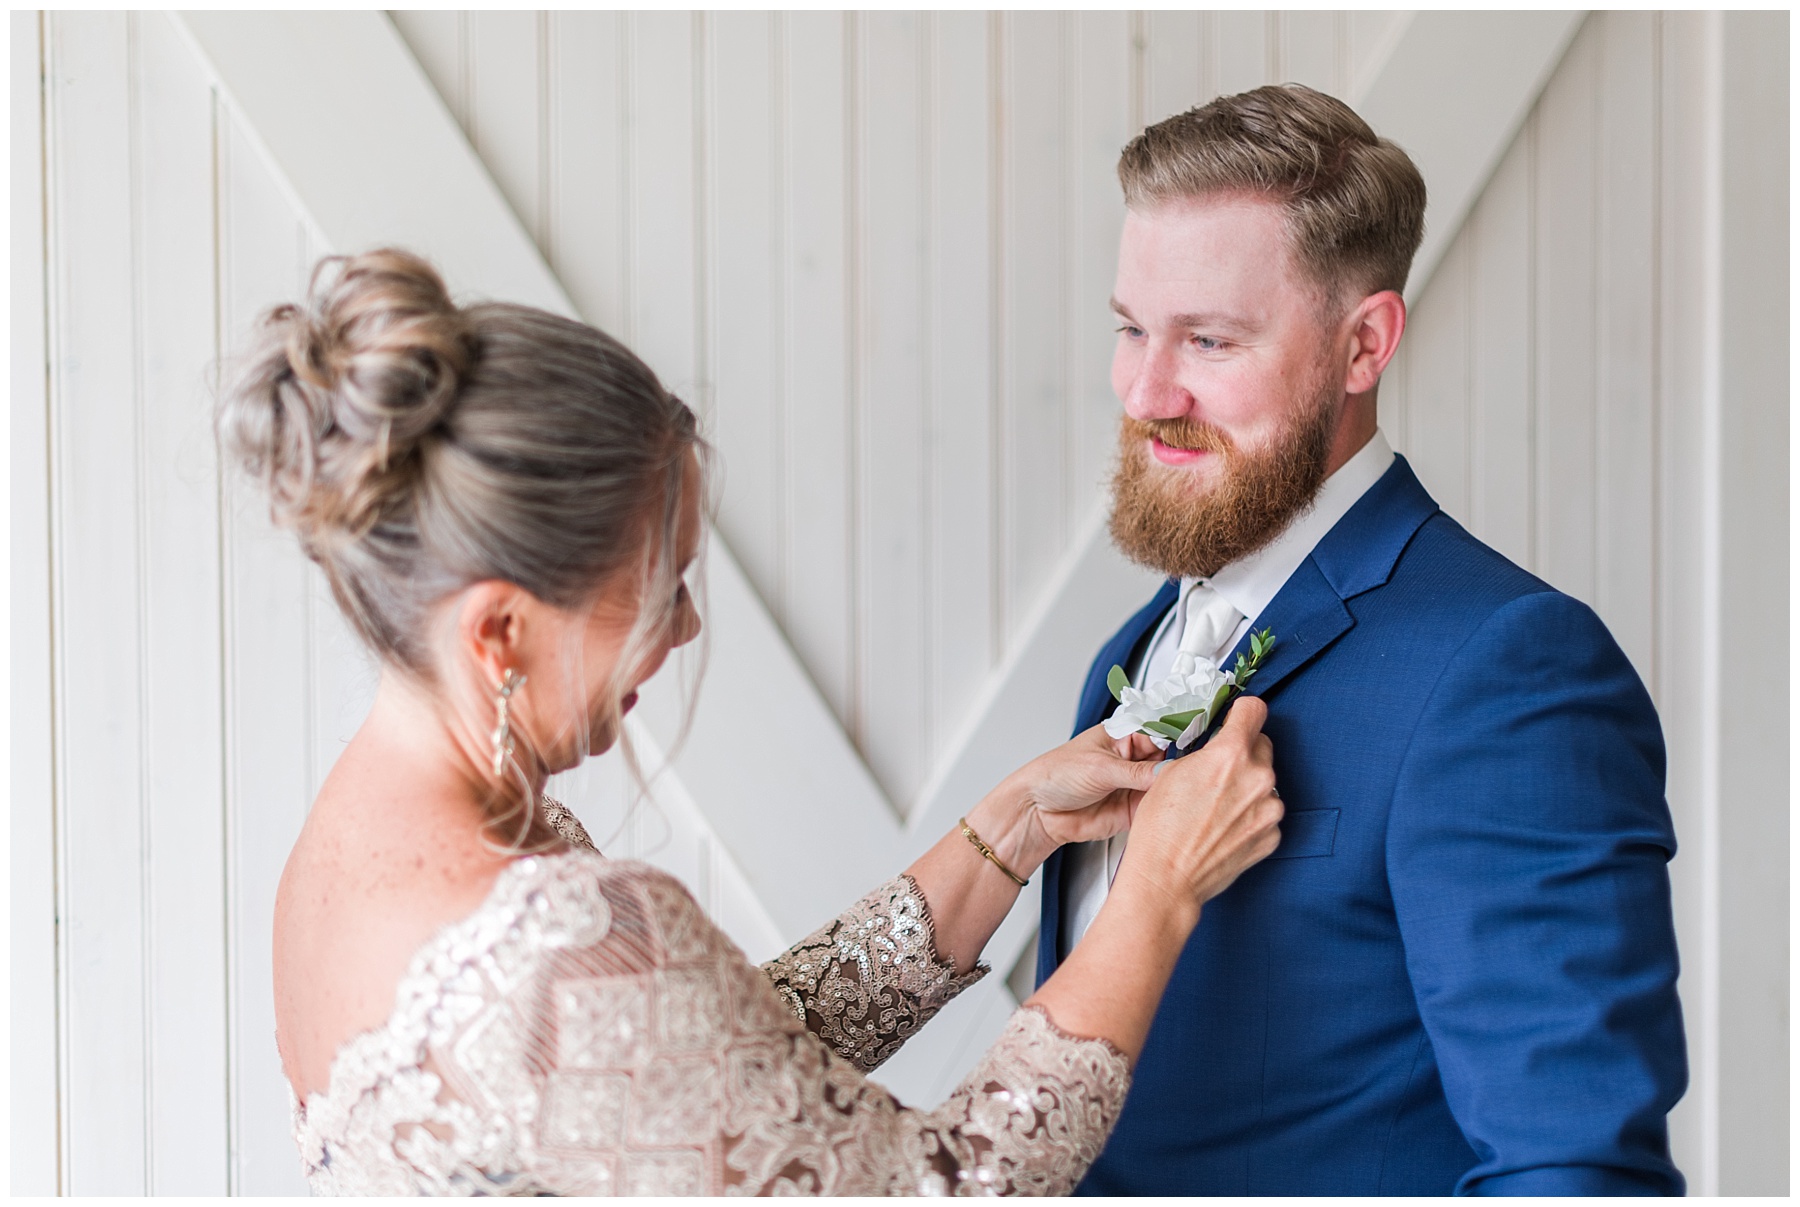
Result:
369,882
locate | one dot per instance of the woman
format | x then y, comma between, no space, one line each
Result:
468,997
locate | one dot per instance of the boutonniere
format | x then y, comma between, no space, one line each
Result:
1186,704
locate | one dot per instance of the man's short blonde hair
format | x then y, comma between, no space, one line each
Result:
1355,202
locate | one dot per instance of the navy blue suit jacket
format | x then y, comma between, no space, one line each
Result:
1457,973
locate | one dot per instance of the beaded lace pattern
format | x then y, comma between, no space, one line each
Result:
588,1030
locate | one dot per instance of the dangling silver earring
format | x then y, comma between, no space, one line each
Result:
503,736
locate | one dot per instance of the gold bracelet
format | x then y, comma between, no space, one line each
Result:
988,853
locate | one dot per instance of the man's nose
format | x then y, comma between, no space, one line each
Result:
1155,391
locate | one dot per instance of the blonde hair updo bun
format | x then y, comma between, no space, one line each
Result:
416,447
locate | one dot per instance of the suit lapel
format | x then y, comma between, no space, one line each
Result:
1358,555
1306,617
1362,549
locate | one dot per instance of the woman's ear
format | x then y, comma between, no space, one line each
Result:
491,625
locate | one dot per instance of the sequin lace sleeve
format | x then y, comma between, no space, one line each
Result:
589,1031
867,981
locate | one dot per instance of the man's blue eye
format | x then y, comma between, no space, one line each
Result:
1207,343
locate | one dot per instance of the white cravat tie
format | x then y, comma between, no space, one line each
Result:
1210,620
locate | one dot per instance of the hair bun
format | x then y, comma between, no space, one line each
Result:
342,391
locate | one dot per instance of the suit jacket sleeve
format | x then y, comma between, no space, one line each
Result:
1527,855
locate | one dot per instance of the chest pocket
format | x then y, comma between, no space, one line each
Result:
1307,834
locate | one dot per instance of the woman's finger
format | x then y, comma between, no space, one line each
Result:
1137,776
1245,719
1093,779
1143,748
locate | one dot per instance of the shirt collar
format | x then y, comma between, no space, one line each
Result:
1251,582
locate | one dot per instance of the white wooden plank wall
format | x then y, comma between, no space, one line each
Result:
874,250
34,978
1753,650
140,876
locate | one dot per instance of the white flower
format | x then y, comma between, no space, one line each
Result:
1191,687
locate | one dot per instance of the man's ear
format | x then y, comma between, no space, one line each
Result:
1376,325
490,627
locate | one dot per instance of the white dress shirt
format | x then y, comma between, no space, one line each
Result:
1249,583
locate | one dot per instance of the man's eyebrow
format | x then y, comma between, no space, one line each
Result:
1215,321
1227,322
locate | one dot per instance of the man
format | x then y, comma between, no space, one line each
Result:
1457,974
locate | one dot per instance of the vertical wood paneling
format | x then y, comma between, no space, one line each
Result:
1564,311
178,537
894,562
1314,50
1241,51
749,421
1688,609
35,1097
271,708
663,148
1755,443
1625,298
1437,384
1178,63
818,305
1689,349
1502,511
590,185
1099,111
959,364
1034,395
95,433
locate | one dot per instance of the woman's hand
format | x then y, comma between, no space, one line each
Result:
1208,816
1082,791
1086,789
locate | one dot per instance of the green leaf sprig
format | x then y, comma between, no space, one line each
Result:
1260,645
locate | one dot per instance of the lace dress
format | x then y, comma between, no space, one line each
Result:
588,1030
